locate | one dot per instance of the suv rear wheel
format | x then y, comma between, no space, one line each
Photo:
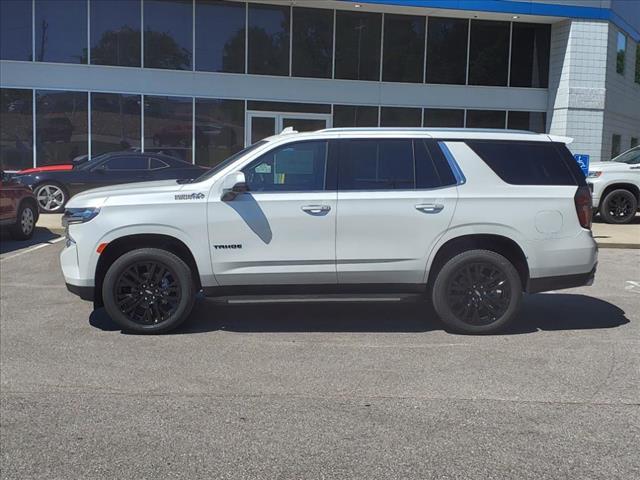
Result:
148,290
619,206
477,291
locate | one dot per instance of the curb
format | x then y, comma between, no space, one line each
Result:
632,246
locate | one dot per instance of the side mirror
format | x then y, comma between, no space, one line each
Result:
233,185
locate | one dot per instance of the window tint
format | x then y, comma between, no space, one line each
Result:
115,32
168,37
219,129
61,31
61,126
527,163
444,117
16,132
355,116
621,51
358,36
429,152
268,39
486,118
403,48
532,121
426,173
530,55
220,29
616,142
127,163
447,50
488,53
168,126
156,164
400,117
312,42
376,165
293,167
115,122
15,30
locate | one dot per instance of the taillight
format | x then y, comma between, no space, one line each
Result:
584,209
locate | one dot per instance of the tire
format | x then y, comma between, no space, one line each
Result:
462,304
162,298
51,197
619,206
25,221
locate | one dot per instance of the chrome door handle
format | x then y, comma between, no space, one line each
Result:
316,209
430,207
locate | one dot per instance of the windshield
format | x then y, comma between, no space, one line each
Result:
630,157
226,162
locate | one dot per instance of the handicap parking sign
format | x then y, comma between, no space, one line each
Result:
583,161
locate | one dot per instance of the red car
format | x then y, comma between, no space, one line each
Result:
18,208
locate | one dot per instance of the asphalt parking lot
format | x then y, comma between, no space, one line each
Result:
314,391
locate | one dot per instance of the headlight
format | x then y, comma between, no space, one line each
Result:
78,215
594,174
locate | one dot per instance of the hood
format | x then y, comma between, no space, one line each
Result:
608,166
98,196
48,168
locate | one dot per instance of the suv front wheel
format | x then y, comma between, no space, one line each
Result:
477,291
148,290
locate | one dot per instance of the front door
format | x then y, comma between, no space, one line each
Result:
265,124
282,231
395,200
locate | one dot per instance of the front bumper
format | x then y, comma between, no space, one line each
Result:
85,293
546,284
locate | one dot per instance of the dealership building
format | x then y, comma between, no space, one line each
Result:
204,78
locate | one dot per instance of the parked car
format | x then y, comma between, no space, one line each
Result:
615,186
55,184
18,208
471,219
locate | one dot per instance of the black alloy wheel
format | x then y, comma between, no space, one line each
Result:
619,206
477,291
148,290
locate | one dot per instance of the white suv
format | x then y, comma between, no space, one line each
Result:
470,219
615,186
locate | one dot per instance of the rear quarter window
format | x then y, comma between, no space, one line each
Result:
530,163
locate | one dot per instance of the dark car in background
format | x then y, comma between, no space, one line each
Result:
18,208
53,185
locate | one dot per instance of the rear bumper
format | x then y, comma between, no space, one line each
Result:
546,284
85,293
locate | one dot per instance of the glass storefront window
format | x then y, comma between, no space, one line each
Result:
400,117
115,122
269,39
61,31
16,134
621,52
266,106
168,125
312,42
219,130
530,55
115,32
532,121
168,37
489,53
444,117
15,30
358,36
486,118
355,116
403,52
220,36
447,50
61,126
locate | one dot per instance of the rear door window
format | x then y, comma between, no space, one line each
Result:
528,163
432,169
370,164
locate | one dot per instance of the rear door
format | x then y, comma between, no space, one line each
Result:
396,197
